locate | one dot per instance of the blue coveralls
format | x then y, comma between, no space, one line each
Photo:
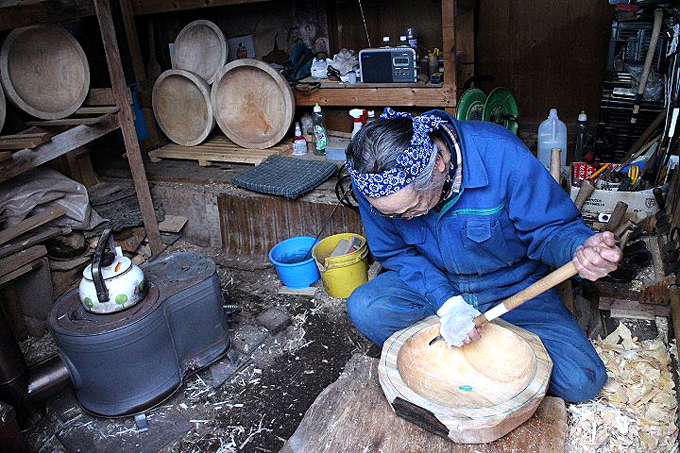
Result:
510,223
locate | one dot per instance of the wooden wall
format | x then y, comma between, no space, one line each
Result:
548,53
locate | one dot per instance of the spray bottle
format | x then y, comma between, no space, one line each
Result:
358,115
299,144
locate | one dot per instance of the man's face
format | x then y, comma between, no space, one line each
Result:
407,203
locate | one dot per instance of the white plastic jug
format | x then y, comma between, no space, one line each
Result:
552,133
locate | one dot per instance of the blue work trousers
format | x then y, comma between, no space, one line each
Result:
386,304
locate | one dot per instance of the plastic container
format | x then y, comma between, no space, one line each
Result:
287,259
341,275
320,133
552,133
358,115
299,143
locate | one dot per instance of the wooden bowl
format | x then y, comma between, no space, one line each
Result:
473,394
253,104
3,108
44,71
181,104
201,48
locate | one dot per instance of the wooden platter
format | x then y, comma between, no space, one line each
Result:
253,104
181,104
44,71
3,108
201,48
474,394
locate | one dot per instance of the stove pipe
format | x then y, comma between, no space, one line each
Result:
21,386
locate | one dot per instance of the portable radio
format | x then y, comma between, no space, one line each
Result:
388,65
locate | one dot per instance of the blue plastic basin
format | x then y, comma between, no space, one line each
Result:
287,259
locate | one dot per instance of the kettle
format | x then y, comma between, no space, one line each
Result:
111,283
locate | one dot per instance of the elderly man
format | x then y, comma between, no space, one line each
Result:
462,216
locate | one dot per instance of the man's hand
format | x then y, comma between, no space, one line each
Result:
598,256
457,325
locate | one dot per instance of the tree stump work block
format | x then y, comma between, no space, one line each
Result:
352,416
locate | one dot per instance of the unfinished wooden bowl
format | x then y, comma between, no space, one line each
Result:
253,104
473,394
181,104
44,71
3,108
201,48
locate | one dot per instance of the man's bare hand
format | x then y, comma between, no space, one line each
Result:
598,256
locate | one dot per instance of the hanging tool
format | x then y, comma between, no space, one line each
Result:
658,17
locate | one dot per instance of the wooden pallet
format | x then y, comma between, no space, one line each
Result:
217,148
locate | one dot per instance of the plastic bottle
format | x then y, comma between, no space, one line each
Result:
299,144
320,134
358,115
552,133
412,38
370,116
581,138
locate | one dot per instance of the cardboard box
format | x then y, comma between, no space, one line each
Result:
641,202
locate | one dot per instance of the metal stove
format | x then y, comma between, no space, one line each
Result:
126,362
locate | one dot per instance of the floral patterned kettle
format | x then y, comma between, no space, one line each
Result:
111,283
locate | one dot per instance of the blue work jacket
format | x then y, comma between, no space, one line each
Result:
508,225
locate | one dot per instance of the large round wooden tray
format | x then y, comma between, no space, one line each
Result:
253,104
473,394
3,108
44,71
201,48
181,104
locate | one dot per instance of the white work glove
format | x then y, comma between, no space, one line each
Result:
457,324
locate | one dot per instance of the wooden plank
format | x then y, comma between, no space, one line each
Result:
172,223
59,145
217,149
26,240
20,271
449,47
309,291
162,6
96,110
352,415
126,116
5,155
21,141
404,97
70,121
18,260
46,11
633,307
30,223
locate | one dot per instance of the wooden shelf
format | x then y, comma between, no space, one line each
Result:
444,96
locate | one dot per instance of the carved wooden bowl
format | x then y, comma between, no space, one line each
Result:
253,104
473,394
44,71
201,48
181,104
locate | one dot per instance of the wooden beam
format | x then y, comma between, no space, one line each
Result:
11,263
120,90
46,11
69,121
140,74
59,145
163,6
406,97
449,47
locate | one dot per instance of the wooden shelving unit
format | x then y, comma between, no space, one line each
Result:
118,96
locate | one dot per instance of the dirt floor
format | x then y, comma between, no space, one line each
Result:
255,410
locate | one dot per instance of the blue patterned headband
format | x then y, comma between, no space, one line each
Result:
409,164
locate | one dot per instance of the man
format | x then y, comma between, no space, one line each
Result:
462,216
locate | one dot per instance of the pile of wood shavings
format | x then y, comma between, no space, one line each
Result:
636,410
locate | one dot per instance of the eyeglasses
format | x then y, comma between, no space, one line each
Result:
411,213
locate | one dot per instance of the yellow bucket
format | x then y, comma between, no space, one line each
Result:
341,274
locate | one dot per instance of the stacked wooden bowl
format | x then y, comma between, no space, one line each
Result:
252,103
3,108
473,394
44,71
